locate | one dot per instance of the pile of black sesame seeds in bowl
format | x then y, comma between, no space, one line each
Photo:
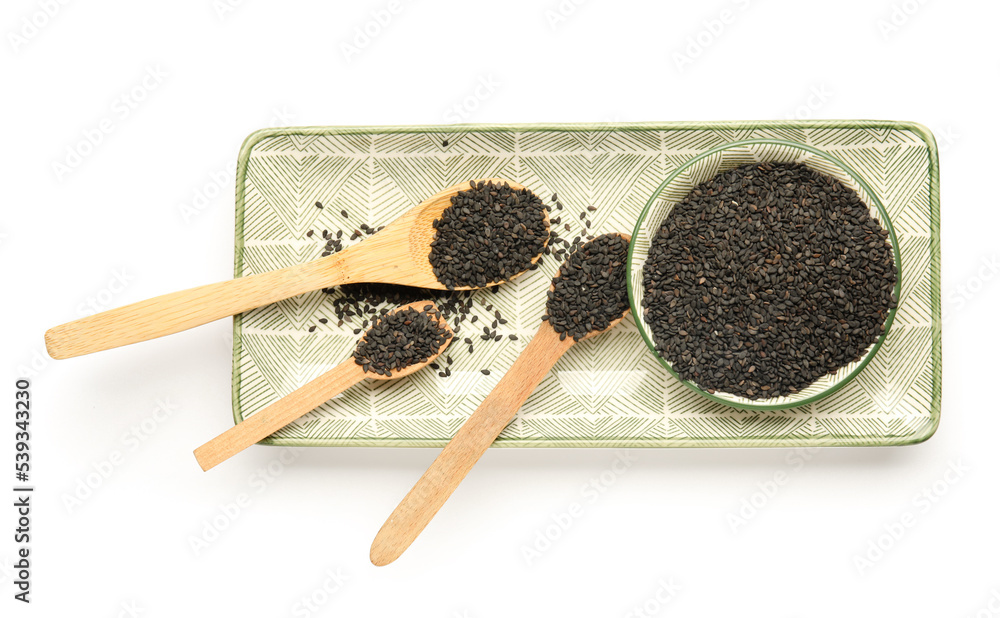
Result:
475,317
767,286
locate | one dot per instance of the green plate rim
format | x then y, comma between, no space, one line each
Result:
919,130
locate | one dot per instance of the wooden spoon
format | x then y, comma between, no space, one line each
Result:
473,438
398,254
261,424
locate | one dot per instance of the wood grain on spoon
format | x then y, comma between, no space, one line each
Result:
437,484
398,254
263,423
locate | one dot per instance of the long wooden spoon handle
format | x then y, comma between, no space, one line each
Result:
261,424
172,313
464,450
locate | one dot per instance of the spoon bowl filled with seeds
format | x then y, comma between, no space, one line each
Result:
764,274
398,343
476,234
587,298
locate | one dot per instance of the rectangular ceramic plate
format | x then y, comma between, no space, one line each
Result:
608,391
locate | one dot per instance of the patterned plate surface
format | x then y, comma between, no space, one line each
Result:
608,391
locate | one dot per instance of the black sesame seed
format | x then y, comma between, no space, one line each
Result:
589,292
400,339
488,234
371,300
766,278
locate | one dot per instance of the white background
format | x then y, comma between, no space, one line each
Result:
659,538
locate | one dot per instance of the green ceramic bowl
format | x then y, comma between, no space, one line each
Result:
705,166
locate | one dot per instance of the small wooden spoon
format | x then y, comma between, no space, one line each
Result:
471,441
398,254
261,424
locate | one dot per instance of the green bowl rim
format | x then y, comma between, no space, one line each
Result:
886,222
